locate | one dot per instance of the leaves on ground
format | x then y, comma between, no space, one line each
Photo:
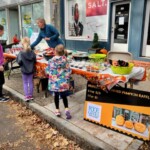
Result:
39,131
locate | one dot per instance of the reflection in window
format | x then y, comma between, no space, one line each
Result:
29,15
38,12
3,22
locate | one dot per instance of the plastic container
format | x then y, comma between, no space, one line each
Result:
97,57
122,70
47,57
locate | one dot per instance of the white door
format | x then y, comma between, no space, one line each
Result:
120,26
146,37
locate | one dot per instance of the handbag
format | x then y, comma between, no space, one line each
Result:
71,87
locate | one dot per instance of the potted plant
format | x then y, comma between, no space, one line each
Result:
95,43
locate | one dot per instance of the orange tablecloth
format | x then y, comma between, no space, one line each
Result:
9,57
103,80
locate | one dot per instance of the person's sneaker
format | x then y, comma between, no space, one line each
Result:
57,114
26,98
31,97
4,99
68,115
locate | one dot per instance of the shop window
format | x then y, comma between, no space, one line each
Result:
86,17
3,22
29,14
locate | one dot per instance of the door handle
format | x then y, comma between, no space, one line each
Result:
112,29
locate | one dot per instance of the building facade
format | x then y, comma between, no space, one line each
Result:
122,25
19,16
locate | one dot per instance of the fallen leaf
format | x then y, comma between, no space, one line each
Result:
48,136
56,144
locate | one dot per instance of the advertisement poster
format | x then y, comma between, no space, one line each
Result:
131,121
122,109
27,19
86,17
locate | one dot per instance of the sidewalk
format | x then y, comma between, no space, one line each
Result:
86,134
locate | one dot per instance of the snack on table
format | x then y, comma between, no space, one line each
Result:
80,66
50,52
92,68
120,120
128,124
139,127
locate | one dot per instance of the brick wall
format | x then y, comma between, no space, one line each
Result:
142,64
145,65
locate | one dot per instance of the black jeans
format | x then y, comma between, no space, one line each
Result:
78,28
2,81
63,96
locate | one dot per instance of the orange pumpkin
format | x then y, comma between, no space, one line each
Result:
120,120
103,51
139,127
128,124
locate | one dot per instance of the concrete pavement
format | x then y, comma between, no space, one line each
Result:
87,135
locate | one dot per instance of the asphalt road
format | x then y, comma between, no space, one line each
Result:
12,136
21,129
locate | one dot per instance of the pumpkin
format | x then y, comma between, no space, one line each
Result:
139,127
103,51
120,120
128,124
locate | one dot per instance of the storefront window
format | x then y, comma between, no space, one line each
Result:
3,22
38,12
29,14
86,17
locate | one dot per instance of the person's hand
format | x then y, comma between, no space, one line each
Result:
47,39
1,68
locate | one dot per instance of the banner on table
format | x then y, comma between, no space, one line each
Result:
125,110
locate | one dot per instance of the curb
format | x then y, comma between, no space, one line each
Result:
81,137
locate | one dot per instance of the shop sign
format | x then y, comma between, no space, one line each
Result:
122,109
96,7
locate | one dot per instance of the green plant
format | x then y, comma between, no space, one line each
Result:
95,41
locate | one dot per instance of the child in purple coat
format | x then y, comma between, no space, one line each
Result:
2,79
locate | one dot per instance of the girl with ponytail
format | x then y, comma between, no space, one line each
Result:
26,59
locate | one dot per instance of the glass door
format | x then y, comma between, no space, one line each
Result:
120,26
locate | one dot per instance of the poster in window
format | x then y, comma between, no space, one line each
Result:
3,21
86,17
27,19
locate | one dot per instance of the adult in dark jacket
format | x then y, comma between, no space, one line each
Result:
47,32
26,59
